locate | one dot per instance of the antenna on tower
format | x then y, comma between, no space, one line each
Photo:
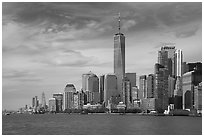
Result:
119,22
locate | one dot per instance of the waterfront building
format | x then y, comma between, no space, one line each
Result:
69,91
119,58
33,102
43,100
76,103
148,104
198,97
150,85
132,78
90,82
127,97
59,101
89,97
101,88
110,88
178,93
190,80
142,87
171,87
52,105
161,86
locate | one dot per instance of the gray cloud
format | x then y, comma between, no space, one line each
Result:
178,13
20,75
186,33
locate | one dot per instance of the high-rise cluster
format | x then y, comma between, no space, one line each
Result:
173,85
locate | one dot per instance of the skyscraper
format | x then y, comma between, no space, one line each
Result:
132,78
90,83
110,87
119,57
178,62
59,101
161,86
52,105
68,101
142,87
43,100
150,85
101,87
127,97
170,49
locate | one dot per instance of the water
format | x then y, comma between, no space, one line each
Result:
100,124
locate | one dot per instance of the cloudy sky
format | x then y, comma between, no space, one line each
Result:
47,45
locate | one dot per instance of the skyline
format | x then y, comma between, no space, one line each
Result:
36,61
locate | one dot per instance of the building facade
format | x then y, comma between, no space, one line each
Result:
59,101
90,83
150,85
69,91
110,88
190,80
101,88
119,59
52,105
161,86
142,87
127,97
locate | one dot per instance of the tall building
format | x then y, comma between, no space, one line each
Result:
163,58
142,87
171,87
43,100
170,49
190,80
194,66
178,62
198,97
135,91
119,58
127,97
90,83
150,85
33,102
161,86
59,101
101,87
68,101
132,78
52,105
76,101
110,88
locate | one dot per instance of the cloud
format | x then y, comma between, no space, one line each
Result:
20,75
178,13
128,24
186,33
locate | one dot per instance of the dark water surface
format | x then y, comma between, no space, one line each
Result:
100,124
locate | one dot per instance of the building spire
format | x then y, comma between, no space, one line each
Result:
119,22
